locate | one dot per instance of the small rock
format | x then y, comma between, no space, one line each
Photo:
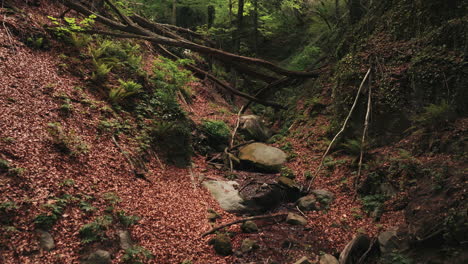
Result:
248,245
46,242
287,182
222,245
295,219
307,203
226,194
303,260
125,239
249,227
328,259
325,197
253,127
98,257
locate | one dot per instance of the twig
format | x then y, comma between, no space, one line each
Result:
300,211
364,134
342,129
192,178
242,144
241,221
237,127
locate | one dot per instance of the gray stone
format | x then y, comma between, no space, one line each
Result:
307,203
248,245
295,219
389,241
303,260
325,197
226,195
328,259
46,241
125,239
262,157
222,245
249,227
354,249
98,257
253,128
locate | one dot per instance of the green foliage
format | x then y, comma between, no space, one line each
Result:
352,146
174,139
308,175
67,182
137,255
397,258
435,115
217,131
370,203
87,207
4,165
111,198
126,89
71,30
67,142
287,172
170,75
95,231
127,220
55,209
8,206
455,226
305,58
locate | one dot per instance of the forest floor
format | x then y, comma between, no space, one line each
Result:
172,205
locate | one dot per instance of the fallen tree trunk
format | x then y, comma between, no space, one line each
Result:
132,30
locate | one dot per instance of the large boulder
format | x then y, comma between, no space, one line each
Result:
253,128
226,195
355,249
328,259
262,157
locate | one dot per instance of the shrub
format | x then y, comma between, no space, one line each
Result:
370,203
126,89
127,220
435,115
217,131
305,58
67,142
352,147
174,139
112,198
137,255
287,172
95,231
4,165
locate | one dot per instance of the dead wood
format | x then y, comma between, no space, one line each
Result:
260,217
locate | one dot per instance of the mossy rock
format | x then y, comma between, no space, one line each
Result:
262,157
249,227
222,245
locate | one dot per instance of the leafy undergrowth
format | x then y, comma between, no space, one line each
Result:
62,171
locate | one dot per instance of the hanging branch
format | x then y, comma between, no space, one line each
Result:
364,133
341,131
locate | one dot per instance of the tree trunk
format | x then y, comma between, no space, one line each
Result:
240,18
211,15
355,11
174,13
255,2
